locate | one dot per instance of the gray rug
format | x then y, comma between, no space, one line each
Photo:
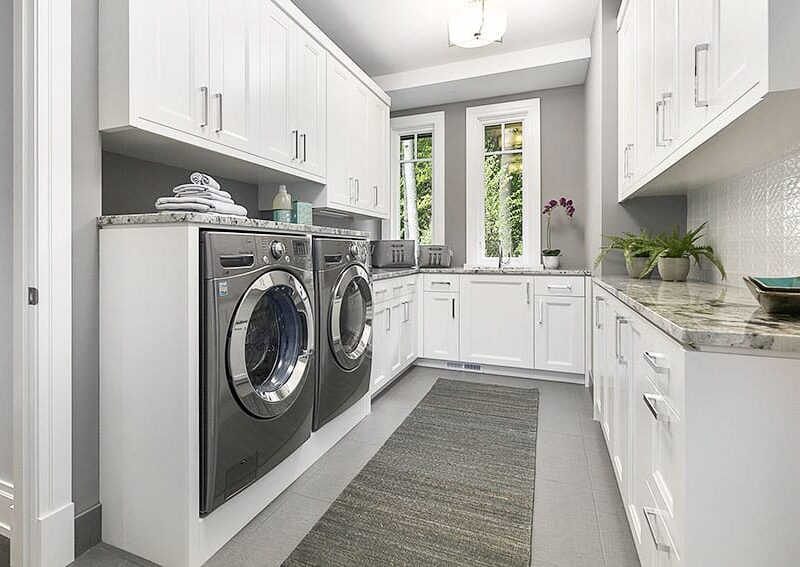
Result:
453,486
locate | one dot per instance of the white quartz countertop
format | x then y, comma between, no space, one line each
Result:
701,314
388,273
214,220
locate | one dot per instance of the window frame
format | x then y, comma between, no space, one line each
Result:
428,123
477,118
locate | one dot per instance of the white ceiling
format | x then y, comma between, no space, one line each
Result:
390,36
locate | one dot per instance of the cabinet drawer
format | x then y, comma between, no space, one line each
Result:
560,285
659,547
441,282
664,366
382,291
403,286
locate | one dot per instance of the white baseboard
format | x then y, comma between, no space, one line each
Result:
6,507
501,371
55,537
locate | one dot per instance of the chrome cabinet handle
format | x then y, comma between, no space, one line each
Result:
219,101
660,123
650,401
618,347
654,514
296,144
454,308
698,49
652,360
376,195
204,90
665,116
388,319
627,169
625,161
597,323
541,312
441,283
350,186
567,287
528,292
303,139
358,189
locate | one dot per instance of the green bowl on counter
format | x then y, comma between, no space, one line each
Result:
777,296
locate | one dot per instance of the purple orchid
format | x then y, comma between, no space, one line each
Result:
569,207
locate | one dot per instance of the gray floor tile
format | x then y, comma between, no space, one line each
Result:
379,425
5,551
103,555
565,529
334,471
409,390
619,549
562,458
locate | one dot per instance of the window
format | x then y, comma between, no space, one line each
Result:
503,184
418,174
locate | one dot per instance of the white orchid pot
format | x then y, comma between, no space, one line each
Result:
551,262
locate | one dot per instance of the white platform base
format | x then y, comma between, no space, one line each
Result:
501,371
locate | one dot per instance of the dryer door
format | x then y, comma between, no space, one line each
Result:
350,321
271,343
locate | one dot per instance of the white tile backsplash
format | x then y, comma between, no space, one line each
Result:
754,221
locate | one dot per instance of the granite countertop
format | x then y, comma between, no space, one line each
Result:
701,314
206,219
379,274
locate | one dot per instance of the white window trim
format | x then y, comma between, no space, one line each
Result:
431,122
527,112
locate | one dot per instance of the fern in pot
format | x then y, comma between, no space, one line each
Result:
634,250
672,254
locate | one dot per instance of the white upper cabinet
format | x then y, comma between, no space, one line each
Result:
234,87
497,320
689,68
171,67
279,142
240,86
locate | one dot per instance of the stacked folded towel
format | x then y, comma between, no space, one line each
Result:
202,195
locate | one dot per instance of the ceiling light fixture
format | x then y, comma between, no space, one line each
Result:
478,23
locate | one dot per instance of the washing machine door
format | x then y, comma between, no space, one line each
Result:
271,344
350,320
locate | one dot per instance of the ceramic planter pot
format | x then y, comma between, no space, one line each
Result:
636,267
551,262
673,269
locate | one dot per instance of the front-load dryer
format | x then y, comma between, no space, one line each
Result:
344,327
258,362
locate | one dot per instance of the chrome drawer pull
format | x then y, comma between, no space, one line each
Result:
554,286
650,401
652,360
441,283
654,514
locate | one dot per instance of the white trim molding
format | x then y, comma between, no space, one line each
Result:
43,509
433,123
527,112
6,507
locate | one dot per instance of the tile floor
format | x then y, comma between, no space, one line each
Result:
578,515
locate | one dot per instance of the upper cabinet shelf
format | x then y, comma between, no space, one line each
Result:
235,86
707,90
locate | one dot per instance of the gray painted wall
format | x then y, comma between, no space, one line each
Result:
6,242
86,195
657,214
563,171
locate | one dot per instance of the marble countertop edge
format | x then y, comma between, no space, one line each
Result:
379,274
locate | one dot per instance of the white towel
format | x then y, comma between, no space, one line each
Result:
185,207
203,179
213,205
194,189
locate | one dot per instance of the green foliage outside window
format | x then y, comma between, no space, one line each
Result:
503,192
423,171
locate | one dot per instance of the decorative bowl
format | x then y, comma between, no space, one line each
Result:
790,285
775,302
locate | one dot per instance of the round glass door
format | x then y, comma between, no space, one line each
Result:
270,346
351,317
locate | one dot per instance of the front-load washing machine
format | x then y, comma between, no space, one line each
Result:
258,362
344,325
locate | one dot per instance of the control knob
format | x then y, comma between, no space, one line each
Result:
277,249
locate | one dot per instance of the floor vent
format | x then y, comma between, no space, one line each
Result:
472,367
455,365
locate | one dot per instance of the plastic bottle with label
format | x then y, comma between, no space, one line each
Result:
282,205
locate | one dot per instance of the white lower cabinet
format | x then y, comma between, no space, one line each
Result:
560,340
440,325
497,320
395,330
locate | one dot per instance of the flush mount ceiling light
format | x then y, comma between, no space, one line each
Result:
478,23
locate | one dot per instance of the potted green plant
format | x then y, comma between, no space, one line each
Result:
672,253
550,255
634,250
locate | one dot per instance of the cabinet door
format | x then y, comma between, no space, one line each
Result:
396,325
381,347
339,186
644,156
171,83
738,50
310,96
560,339
599,347
279,143
627,99
693,72
357,158
375,195
665,75
234,40
440,326
408,341
629,341
497,320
